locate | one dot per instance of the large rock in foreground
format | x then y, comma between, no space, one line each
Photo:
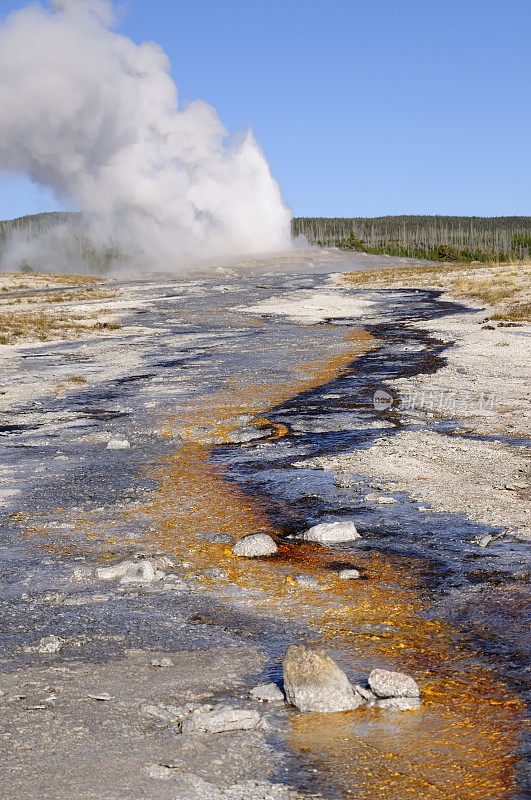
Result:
314,682
331,533
257,544
385,683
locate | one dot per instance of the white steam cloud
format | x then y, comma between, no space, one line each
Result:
95,116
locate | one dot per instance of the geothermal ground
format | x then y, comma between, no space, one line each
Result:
157,421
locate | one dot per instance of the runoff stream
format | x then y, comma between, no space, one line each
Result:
220,407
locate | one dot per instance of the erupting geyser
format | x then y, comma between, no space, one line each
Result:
93,115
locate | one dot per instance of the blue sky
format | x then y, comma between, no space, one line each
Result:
362,108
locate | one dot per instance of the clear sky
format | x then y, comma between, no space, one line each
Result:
362,108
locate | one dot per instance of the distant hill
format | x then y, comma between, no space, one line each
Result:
34,223
434,237
55,241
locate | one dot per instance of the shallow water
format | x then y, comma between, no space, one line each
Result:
430,602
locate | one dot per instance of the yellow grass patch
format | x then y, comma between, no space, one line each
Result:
506,288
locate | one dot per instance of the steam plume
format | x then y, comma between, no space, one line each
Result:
93,115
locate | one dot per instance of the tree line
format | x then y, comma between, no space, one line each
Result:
438,238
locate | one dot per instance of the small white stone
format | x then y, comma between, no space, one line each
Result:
385,683
114,571
118,444
307,582
161,662
267,692
364,693
257,544
81,572
348,574
141,572
331,533
50,644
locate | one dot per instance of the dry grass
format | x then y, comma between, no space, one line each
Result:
46,325
17,281
82,296
71,310
77,379
506,288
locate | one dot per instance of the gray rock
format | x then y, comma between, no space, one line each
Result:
380,499
345,480
162,561
118,444
114,571
161,662
224,718
81,573
385,683
50,644
348,574
267,692
257,544
365,693
141,572
331,533
484,541
314,682
399,703
215,573
308,582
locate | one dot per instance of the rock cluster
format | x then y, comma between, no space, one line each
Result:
314,682
144,567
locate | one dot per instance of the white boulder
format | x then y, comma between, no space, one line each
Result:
257,544
331,533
